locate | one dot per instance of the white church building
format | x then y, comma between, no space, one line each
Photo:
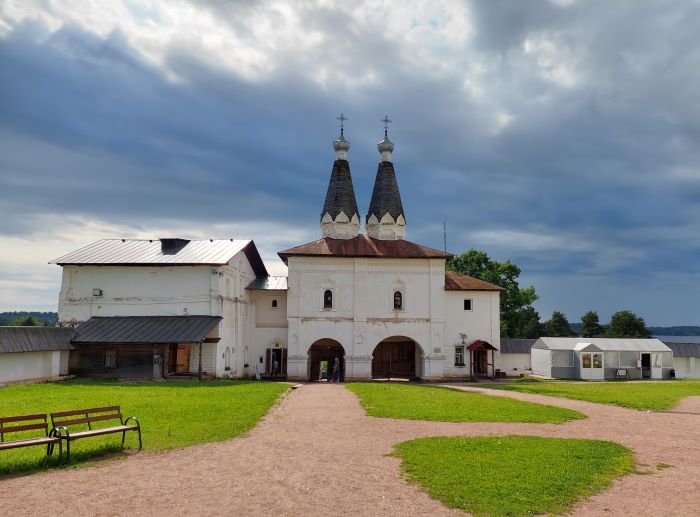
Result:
384,306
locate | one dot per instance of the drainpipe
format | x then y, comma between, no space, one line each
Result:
199,369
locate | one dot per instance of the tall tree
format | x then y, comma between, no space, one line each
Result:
590,325
627,324
558,326
517,314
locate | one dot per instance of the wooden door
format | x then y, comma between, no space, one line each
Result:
394,359
182,359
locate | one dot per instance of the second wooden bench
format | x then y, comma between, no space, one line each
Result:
63,420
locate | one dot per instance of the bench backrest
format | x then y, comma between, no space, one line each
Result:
21,423
86,416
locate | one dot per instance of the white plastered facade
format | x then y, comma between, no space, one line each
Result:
170,291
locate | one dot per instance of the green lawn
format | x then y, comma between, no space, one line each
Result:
635,395
512,475
172,414
417,402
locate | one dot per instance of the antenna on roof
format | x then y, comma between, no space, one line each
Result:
444,235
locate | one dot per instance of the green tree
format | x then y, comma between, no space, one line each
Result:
627,324
517,314
558,326
590,325
27,321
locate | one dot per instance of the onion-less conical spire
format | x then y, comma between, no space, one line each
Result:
385,219
340,218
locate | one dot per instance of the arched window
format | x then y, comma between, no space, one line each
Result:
328,299
398,301
274,304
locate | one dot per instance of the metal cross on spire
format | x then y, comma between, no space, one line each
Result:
342,119
386,121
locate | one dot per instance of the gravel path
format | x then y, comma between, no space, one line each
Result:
317,453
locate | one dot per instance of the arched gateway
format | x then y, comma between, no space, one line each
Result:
325,351
397,357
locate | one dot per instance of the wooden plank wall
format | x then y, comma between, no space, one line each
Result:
134,361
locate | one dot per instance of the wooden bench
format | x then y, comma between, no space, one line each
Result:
23,423
62,421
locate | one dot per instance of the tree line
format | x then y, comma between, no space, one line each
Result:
519,319
28,319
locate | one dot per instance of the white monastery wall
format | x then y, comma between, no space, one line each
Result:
269,326
687,367
25,366
133,291
363,314
515,364
166,291
481,322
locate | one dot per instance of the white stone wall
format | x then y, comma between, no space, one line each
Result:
26,366
167,291
687,367
516,364
270,325
481,322
363,313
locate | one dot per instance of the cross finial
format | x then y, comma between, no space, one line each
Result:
342,119
386,121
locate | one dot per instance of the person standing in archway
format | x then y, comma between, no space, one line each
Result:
336,370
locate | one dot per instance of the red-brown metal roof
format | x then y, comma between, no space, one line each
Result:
458,282
480,344
364,246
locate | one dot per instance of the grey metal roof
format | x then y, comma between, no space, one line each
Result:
604,344
385,195
136,251
34,339
516,346
340,196
684,349
145,329
269,283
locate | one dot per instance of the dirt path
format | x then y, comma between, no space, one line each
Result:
317,453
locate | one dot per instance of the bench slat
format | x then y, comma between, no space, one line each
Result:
20,418
106,430
18,428
90,419
84,411
26,443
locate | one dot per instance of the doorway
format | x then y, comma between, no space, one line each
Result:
481,362
278,355
179,358
395,358
646,366
322,356
592,366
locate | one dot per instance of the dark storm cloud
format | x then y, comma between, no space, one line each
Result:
564,137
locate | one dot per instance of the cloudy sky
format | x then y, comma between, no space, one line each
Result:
563,135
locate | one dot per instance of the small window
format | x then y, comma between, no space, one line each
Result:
398,301
328,299
585,360
111,359
467,305
274,304
459,355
